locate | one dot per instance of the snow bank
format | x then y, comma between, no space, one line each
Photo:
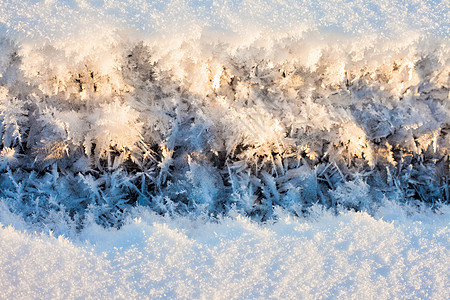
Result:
352,255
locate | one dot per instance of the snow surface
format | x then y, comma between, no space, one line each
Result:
224,149
349,256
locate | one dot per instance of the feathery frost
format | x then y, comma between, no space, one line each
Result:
229,116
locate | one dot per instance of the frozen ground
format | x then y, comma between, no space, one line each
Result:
224,149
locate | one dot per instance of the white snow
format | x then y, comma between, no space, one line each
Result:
352,255
272,149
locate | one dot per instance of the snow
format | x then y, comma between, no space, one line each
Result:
224,149
352,255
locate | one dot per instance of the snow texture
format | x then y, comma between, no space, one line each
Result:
261,146
350,256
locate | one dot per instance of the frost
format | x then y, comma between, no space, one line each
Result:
7,157
224,149
13,116
222,108
352,193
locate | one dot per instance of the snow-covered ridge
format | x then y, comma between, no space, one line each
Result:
189,114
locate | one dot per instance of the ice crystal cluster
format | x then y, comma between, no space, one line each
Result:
206,149
200,108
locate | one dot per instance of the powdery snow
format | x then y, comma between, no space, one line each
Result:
349,256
